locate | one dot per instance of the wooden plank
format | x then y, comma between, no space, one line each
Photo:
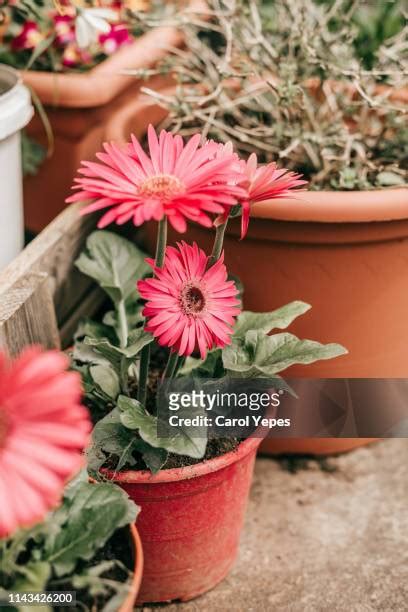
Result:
27,315
53,252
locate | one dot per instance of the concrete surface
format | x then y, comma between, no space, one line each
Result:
321,540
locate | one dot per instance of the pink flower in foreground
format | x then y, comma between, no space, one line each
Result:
265,183
64,30
43,429
179,180
118,36
28,38
190,307
74,56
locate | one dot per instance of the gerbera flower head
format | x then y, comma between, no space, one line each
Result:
115,38
73,56
63,29
266,182
91,22
190,307
28,37
178,180
43,430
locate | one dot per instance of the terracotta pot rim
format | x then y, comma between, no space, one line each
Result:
185,473
129,604
388,204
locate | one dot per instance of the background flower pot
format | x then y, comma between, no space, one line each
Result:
15,112
312,446
344,252
190,522
78,106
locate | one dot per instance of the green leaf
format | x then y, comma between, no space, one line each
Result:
95,329
36,576
238,284
204,369
267,321
94,513
97,585
32,154
110,437
134,416
390,179
106,379
154,458
115,263
14,546
133,316
138,338
258,355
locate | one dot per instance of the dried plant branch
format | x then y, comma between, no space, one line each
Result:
286,80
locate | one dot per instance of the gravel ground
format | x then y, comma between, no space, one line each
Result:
331,537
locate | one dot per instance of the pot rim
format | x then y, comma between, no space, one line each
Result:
187,472
130,601
388,204
12,72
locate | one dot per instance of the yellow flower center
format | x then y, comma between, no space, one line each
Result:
34,37
161,186
192,299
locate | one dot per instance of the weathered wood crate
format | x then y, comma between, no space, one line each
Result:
42,294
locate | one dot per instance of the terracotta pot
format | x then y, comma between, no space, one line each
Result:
78,106
312,446
190,522
78,134
130,602
344,252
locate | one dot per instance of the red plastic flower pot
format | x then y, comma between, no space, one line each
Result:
190,522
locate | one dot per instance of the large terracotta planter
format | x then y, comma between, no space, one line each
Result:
344,252
190,522
79,106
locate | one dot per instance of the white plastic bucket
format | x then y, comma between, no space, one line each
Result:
15,112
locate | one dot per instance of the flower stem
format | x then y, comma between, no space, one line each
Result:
145,354
218,244
171,366
123,324
161,242
143,374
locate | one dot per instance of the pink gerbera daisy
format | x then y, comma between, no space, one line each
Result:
190,307
265,183
28,38
178,180
117,37
43,429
